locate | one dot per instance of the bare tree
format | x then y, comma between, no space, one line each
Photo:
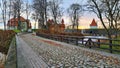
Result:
75,11
40,8
108,9
14,11
17,10
55,10
116,17
27,8
9,8
19,6
3,6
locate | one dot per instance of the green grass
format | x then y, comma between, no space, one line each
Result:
34,30
114,47
17,31
104,46
107,47
117,42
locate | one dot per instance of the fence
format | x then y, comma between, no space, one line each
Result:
84,40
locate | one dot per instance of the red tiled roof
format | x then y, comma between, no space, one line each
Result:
14,21
21,19
93,23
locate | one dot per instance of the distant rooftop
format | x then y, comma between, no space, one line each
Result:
93,23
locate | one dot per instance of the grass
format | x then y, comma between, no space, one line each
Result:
117,42
114,47
17,31
34,30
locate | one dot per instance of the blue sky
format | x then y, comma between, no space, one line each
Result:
87,17
85,20
67,3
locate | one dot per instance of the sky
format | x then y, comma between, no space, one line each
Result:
85,20
67,3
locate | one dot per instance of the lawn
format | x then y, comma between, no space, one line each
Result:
17,31
114,47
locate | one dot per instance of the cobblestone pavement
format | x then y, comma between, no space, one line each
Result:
62,55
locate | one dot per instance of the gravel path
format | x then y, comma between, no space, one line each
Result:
62,55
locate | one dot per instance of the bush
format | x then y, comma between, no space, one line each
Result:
44,31
5,39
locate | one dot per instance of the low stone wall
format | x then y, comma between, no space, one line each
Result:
2,60
11,61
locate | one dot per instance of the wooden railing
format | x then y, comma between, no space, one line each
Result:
81,40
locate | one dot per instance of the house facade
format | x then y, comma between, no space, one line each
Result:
23,23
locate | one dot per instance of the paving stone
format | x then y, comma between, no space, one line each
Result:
57,54
26,57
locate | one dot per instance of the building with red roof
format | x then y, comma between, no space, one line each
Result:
93,24
56,27
24,23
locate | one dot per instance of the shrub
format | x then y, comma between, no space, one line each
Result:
44,31
5,39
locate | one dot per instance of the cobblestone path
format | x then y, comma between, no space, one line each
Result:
26,57
39,52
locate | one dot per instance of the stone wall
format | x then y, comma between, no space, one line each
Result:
11,60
